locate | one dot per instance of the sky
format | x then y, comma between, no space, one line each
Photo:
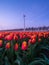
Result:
12,11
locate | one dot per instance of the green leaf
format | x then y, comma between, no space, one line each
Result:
1,49
6,61
19,61
37,62
35,46
12,52
33,49
45,58
3,54
44,47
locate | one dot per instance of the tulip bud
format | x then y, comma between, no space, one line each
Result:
24,45
16,47
9,37
33,41
1,35
29,41
15,37
7,45
39,40
1,42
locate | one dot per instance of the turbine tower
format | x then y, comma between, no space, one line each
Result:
24,21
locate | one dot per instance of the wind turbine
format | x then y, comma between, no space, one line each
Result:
24,21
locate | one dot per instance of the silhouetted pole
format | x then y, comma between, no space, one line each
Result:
24,21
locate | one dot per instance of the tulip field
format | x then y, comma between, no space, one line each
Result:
24,48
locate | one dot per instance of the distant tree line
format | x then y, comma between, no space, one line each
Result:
38,28
44,28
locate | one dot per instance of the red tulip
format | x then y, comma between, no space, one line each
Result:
1,42
16,47
7,45
15,37
24,45
33,41
21,36
33,36
9,37
29,41
39,40
40,35
24,36
1,35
